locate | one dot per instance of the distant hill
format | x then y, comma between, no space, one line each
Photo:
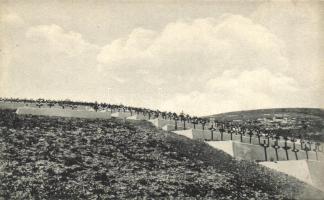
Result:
254,114
288,121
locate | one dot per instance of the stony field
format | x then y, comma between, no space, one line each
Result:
63,158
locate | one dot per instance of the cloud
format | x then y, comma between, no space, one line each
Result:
58,39
243,90
235,90
202,42
11,25
202,66
51,62
299,24
207,65
130,48
11,19
258,80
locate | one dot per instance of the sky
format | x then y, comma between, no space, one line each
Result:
199,57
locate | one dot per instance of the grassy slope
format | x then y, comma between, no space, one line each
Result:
62,158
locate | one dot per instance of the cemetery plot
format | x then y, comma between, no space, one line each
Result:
72,158
262,153
239,142
258,152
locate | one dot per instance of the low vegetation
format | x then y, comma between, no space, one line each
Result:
62,158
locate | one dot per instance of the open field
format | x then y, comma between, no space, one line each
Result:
69,158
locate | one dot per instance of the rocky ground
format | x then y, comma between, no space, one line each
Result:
62,158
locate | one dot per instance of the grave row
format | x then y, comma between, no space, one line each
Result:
214,134
301,164
204,130
259,153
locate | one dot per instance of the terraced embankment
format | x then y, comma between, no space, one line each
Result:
69,158
59,112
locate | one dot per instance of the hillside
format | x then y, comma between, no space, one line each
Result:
64,158
286,121
254,114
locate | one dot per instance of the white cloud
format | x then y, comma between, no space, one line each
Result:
58,39
11,19
244,90
52,62
299,24
258,80
208,65
204,42
240,90
201,66
11,25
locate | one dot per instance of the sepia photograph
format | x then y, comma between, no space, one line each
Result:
162,99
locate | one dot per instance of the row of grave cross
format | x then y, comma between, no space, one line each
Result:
222,126
286,148
305,146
